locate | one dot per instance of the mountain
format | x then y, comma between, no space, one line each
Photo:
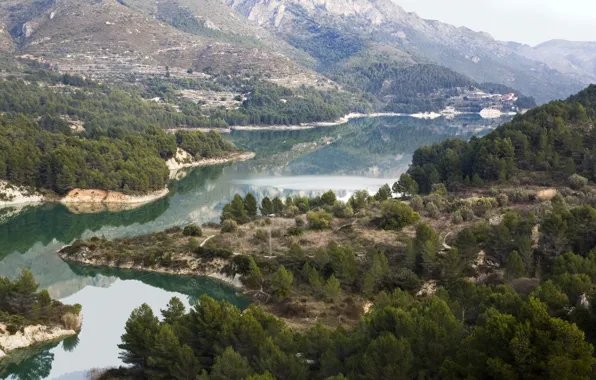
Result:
577,59
108,38
341,32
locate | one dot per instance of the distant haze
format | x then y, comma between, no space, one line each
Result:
527,21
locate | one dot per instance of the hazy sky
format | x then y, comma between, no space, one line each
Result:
527,21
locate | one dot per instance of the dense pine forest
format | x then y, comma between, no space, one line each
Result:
549,144
60,132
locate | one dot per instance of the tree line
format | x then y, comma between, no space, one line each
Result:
555,139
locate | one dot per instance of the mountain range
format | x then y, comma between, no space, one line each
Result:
288,42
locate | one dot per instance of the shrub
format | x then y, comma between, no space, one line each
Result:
319,220
70,321
432,210
577,182
417,203
518,196
299,222
261,235
229,226
192,230
193,243
466,213
210,252
342,210
502,200
456,218
396,215
295,231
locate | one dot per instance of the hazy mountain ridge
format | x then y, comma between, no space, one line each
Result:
370,22
574,58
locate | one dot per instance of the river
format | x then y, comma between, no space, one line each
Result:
362,154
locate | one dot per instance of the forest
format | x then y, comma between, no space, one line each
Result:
130,161
266,103
416,88
512,326
549,144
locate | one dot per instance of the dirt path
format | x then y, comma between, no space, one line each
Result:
205,241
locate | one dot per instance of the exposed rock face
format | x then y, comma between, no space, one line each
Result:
15,195
106,196
381,25
31,335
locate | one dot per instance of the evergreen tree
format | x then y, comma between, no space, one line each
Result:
174,311
278,206
253,279
230,365
281,284
139,337
332,289
250,205
515,266
266,207
383,193
406,186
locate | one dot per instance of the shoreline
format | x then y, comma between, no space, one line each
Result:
485,114
213,275
88,201
31,335
240,156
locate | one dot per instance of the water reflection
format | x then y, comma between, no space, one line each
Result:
365,153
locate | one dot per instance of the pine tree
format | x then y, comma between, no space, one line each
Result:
281,284
515,266
266,207
253,279
250,205
332,289
139,337
230,365
174,311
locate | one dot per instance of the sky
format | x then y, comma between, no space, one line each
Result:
527,21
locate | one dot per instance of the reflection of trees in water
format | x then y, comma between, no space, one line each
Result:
34,363
53,221
69,344
197,178
357,146
191,286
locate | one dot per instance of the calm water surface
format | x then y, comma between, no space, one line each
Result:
363,154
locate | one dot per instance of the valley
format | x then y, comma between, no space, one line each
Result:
293,189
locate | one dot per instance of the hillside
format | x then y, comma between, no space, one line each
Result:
107,39
577,59
338,32
551,144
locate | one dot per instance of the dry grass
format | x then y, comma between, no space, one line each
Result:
546,195
71,321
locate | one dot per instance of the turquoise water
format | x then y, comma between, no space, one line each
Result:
363,154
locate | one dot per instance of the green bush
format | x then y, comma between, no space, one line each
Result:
319,220
211,252
229,226
396,215
577,182
192,230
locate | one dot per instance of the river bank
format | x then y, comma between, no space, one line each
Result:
447,113
87,201
32,335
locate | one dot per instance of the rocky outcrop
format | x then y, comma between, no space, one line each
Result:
31,335
91,196
16,195
181,161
